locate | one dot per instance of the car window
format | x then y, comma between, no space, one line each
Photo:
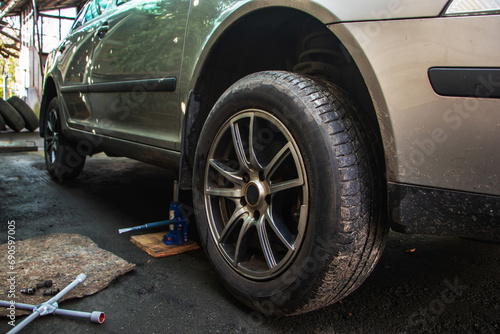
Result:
103,4
95,9
89,12
121,2
79,19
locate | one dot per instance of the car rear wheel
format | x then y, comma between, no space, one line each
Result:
62,158
287,193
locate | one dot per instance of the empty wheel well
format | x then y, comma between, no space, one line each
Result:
272,39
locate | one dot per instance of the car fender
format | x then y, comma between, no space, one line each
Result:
200,42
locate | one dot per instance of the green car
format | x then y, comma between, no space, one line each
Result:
304,129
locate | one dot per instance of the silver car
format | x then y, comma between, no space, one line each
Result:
305,129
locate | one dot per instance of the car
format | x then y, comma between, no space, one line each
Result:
305,130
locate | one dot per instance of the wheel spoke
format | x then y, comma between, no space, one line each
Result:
277,187
225,192
49,149
265,243
241,244
49,136
52,122
52,151
251,149
223,170
231,224
281,231
277,160
304,210
238,146
50,139
50,145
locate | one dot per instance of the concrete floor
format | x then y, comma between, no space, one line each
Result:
182,294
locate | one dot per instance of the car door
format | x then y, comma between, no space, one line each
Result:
74,55
135,70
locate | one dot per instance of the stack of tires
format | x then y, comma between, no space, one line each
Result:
17,115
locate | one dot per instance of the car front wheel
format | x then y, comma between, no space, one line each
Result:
287,193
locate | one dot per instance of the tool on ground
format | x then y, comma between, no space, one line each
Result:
46,284
28,291
51,307
51,292
177,234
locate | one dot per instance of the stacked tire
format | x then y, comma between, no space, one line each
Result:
17,115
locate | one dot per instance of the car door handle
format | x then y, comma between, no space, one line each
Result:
102,30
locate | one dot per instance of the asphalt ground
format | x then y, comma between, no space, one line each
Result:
422,284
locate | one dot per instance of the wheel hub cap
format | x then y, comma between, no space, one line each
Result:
253,193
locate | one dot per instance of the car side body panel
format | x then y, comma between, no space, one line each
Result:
73,59
136,66
431,140
362,10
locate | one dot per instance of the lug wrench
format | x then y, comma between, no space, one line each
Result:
51,307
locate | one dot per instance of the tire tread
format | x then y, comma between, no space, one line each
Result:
360,253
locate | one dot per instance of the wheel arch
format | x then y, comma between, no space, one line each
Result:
49,92
271,38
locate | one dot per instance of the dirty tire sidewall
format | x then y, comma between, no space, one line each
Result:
28,115
11,116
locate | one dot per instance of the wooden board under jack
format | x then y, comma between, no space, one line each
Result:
154,246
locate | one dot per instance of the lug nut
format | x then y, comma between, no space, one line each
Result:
46,284
51,292
28,291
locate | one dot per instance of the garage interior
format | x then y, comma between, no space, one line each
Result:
421,284
38,20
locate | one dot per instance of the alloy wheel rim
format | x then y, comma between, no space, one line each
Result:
256,194
51,137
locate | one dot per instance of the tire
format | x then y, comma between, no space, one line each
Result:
29,117
62,158
2,123
298,224
11,116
